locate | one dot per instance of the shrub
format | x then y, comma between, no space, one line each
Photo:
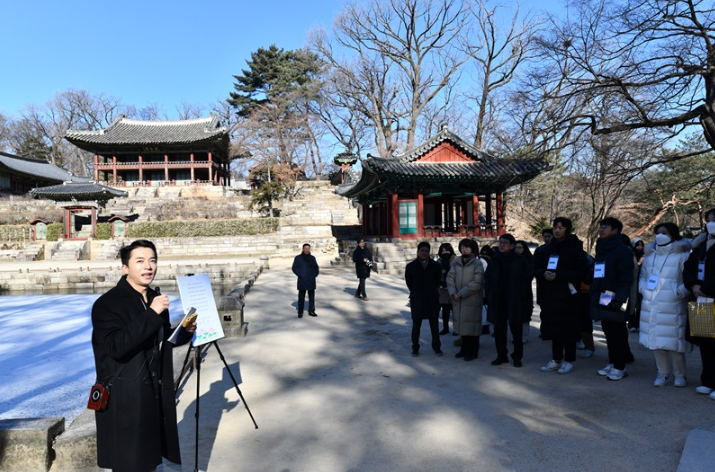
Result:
199,228
54,231
103,231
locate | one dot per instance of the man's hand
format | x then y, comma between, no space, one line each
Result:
191,328
456,296
697,292
550,276
160,303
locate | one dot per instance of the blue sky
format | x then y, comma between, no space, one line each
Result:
143,52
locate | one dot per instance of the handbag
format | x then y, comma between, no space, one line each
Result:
99,393
701,316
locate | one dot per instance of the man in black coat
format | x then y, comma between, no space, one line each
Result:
132,356
423,276
610,290
508,290
306,268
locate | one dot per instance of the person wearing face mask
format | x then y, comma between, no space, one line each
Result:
446,257
465,281
664,310
699,279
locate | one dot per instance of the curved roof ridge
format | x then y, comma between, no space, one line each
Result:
443,135
190,121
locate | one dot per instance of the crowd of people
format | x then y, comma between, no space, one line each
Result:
626,286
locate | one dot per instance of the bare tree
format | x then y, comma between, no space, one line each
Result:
653,61
395,57
498,51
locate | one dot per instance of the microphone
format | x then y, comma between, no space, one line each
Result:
158,291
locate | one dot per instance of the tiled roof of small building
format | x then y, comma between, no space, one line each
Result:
77,191
444,135
126,131
35,168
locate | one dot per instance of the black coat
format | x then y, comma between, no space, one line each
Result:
361,269
139,425
618,278
423,284
560,308
306,268
517,286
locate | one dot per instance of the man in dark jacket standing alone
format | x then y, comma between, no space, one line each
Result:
130,329
423,276
508,288
306,268
610,290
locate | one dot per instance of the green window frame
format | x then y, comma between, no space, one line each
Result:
408,217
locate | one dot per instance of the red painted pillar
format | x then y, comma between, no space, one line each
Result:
96,170
475,214
395,213
420,215
191,165
500,214
166,168
211,169
114,168
489,230
141,170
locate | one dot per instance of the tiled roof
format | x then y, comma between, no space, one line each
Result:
444,135
489,170
77,191
35,168
125,131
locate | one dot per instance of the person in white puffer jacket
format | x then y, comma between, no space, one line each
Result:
664,310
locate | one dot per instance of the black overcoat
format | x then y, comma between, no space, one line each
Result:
619,277
362,271
306,268
518,285
139,426
423,284
561,309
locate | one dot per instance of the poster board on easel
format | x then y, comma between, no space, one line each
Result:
196,293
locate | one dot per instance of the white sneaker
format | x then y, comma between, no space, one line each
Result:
587,353
661,380
606,370
712,396
617,374
565,368
580,345
703,390
680,381
550,366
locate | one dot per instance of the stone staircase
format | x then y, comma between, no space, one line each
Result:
24,252
109,250
70,251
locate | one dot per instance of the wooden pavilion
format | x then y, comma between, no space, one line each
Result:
443,187
156,153
20,174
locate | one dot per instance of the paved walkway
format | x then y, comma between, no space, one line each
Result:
340,392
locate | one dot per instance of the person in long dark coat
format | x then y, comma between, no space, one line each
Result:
699,278
613,278
363,260
508,288
129,339
305,267
561,267
422,277
446,257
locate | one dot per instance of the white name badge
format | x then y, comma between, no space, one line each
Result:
599,270
653,281
553,262
701,271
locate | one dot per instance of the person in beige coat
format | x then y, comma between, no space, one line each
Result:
465,282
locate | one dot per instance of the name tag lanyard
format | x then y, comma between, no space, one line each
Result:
662,265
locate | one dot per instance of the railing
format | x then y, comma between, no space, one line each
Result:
157,165
159,183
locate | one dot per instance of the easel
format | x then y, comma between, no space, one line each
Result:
197,362
198,350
